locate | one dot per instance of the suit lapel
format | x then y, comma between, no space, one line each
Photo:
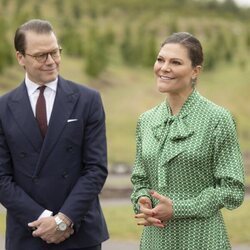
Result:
64,104
24,117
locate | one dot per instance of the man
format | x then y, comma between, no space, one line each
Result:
53,161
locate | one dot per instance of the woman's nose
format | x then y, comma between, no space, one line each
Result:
166,67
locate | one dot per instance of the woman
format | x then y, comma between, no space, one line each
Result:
188,162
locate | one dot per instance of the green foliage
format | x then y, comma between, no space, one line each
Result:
230,5
248,39
211,59
96,52
76,9
138,48
72,41
4,3
37,10
19,4
136,43
6,57
150,51
127,48
60,6
115,40
173,27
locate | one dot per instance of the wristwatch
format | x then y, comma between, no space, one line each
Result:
60,224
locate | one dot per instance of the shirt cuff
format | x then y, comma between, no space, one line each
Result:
45,213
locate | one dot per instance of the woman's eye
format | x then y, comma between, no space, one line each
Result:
176,62
159,59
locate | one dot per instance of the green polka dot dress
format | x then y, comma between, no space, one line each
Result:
194,158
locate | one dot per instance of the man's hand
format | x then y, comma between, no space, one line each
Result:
46,229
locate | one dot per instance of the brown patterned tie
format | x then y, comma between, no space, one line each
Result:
41,112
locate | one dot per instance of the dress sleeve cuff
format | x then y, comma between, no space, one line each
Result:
183,209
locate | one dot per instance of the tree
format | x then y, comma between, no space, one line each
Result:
211,59
72,42
96,55
149,53
127,47
6,57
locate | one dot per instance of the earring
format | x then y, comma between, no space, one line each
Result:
193,82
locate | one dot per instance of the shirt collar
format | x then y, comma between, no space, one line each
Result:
186,108
32,86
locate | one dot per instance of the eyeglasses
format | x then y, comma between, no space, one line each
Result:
42,57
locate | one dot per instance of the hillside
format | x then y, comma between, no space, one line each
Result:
127,83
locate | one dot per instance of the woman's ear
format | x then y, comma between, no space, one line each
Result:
196,71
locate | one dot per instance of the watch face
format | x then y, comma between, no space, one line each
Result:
62,226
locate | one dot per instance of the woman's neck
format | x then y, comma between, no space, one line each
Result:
176,101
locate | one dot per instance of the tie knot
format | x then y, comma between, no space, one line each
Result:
42,88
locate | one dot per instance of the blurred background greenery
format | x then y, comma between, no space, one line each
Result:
111,45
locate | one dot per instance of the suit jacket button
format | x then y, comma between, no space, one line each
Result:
65,175
35,179
23,155
69,148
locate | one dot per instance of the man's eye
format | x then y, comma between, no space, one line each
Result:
54,53
41,56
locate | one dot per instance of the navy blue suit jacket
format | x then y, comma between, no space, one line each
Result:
65,172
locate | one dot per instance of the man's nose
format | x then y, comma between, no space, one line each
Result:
49,58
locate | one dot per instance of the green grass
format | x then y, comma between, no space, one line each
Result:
133,91
237,222
248,180
2,223
127,92
121,222
122,225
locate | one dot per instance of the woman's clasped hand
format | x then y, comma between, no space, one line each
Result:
157,216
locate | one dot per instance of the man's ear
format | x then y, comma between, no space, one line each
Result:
20,58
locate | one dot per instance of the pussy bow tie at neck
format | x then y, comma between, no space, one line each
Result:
174,127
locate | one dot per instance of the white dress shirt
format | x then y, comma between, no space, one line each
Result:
49,95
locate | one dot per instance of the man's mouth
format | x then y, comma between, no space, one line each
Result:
49,70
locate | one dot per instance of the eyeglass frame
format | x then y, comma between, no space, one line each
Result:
37,55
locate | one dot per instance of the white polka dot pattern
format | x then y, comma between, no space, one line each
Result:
194,158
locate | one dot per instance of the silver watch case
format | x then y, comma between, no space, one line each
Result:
61,225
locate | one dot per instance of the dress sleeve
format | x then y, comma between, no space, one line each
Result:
139,176
228,190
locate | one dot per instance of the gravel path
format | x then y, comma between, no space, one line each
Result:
116,245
